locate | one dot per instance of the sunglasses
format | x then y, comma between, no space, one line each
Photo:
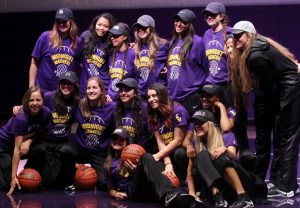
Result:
65,82
209,14
141,28
180,20
115,36
61,21
237,36
124,89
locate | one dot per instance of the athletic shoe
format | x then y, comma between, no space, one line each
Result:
297,191
275,192
219,200
70,187
270,185
178,200
243,201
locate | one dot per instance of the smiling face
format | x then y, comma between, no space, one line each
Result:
207,100
241,39
153,99
180,26
143,32
35,103
66,88
201,129
213,20
127,94
102,26
63,26
118,143
93,90
118,40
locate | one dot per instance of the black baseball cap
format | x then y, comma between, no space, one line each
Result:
211,89
128,82
215,8
70,76
203,116
186,15
120,29
64,14
121,132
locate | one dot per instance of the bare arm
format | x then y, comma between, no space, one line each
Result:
33,71
226,123
187,143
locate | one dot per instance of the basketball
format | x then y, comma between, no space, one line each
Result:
132,152
29,179
85,178
174,180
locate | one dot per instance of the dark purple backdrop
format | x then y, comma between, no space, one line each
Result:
19,32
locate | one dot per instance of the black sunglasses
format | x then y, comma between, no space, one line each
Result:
115,36
209,14
180,20
141,28
61,21
237,36
65,82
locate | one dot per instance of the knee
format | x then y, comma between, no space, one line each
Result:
180,154
67,150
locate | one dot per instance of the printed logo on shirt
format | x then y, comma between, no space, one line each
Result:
32,130
178,117
167,134
60,121
93,129
95,62
129,124
117,73
62,58
214,54
174,62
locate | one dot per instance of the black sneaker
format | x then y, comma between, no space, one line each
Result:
243,201
178,200
70,187
219,200
275,192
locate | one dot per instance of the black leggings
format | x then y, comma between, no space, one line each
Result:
5,169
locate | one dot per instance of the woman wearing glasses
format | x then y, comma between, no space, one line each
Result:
270,68
186,73
54,52
151,54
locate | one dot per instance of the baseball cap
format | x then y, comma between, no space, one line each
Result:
129,82
121,132
211,89
186,15
244,26
64,14
120,29
70,76
145,21
215,8
203,116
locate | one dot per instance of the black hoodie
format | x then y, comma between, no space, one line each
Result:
277,75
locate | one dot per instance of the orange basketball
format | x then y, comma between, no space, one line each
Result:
174,180
29,179
85,177
132,152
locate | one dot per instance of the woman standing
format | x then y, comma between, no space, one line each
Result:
151,54
96,122
20,131
96,45
267,66
121,60
55,52
168,120
186,61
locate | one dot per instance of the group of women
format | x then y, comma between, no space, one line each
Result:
147,93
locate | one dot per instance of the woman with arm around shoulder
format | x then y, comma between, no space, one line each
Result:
168,121
24,127
151,54
55,52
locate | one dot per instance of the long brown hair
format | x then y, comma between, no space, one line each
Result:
165,108
56,39
27,95
84,104
153,42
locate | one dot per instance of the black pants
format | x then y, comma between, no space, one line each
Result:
287,143
72,153
5,169
148,181
181,162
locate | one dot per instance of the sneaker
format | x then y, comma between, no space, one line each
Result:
275,192
270,185
243,201
178,200
70,187
297,191
219,200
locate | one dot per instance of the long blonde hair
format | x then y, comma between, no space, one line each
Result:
214,139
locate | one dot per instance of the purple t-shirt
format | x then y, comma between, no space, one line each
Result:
180,118
186,78
216,59
137,136
94,132
144,76
120,70
119,178
229,139
59,126
53,62
23,125
94,66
